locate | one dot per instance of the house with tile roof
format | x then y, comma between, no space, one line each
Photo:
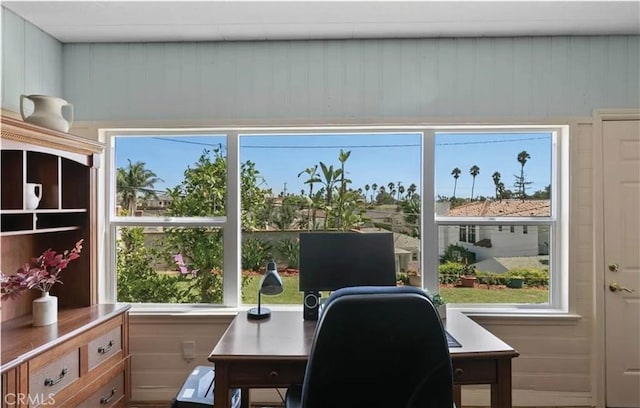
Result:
498,241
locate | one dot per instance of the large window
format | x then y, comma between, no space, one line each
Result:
350,181
168,216
491,179
194,216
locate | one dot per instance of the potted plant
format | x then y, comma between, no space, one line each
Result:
468,277
40,273
516,282
440,304
414,278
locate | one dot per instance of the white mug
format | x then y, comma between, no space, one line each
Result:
32,195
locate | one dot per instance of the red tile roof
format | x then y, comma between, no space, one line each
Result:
504,208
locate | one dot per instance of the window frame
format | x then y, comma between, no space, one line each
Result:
559,255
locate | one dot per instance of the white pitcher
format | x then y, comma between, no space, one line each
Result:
47,112
32,195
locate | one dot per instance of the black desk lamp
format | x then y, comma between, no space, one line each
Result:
271,284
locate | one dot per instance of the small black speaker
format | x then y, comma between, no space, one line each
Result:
311,305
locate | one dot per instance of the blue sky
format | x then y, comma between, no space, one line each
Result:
379,158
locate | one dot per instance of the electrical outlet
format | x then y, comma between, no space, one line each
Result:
189,350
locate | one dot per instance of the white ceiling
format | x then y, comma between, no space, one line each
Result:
144,21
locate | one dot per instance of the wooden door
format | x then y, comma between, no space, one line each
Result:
621,179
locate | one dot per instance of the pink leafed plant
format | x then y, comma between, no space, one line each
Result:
39,273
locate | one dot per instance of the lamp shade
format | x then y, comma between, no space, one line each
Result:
270,284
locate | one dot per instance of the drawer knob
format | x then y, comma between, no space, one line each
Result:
105,349
458,373
273,374
49,382
107,399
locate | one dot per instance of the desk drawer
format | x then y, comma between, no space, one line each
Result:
474,371
266,374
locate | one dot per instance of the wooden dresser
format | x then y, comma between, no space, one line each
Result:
83,359
80,361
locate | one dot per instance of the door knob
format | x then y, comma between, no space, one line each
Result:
613,267
615,287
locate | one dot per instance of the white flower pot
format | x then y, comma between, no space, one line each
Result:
442,311
45,310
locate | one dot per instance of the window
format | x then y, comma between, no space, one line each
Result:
463,233
495,178
194,215
472,234
168,250
353,181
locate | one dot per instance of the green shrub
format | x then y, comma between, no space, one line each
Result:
255,253
402,277
458,253
532,277
290,250
449,272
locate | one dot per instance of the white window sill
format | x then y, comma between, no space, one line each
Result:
477,313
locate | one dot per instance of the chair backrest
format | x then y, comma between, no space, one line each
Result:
378,347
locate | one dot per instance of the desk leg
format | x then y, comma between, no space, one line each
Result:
221,387
501,391
457,395
244,398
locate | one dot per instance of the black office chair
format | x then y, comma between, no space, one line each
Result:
377,347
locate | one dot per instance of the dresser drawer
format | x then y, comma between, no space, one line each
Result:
105,346
108,395
53,377
475,371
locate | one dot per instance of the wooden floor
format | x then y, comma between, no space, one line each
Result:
167,404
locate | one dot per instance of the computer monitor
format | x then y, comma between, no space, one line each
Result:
334,260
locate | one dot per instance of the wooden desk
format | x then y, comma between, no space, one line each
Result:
273,354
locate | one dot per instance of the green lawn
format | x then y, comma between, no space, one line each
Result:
292,295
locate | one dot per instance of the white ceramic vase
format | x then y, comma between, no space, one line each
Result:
32,195
47,112
45,310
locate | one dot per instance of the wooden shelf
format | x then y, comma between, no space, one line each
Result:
66,168
38,231
53,211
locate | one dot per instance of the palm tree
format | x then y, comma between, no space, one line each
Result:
342,158
133,182
455,173
366,188
374,188
523,156
313,178
411,190
474,171
496,182
400,190
391,186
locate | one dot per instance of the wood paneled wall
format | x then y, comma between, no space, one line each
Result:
368,80
31,62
